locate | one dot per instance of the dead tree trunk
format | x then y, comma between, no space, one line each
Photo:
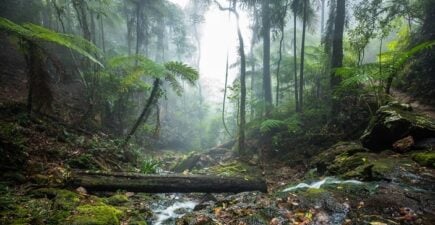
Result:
103,181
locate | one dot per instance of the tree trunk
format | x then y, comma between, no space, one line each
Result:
102,181
242,89
295,62
322,19
337,50
103,38
79,6
242,108
267,87
145,112
139,31
301,80
279,63
337,42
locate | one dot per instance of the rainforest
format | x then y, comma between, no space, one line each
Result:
217,112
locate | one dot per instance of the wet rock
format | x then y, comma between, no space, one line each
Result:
394,122
425,159
336,154
403,145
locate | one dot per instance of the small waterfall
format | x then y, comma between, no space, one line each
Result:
319,184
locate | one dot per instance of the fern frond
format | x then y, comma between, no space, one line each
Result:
270,124
33,33
185,72
147,66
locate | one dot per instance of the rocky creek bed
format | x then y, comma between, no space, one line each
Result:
386,178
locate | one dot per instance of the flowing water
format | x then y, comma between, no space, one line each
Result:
319,184
167,211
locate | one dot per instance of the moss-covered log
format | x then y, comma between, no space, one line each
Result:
103,181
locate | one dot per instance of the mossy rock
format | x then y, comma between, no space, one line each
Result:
117,200
339,151
63,199
393,122
378,167
425,159
96,215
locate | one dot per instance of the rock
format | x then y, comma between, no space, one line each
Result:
336,153
393,122
427,143
96,215
425,159
117,200
404,144
187,164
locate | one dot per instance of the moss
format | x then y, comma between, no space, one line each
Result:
96,215
425,159
63,199
230,169
313,193
83,161
340,152
117,199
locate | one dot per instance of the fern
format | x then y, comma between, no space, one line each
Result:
182,70
34,33
270,124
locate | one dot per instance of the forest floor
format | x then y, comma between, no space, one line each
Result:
361,186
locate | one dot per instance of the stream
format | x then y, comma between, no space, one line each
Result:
171,207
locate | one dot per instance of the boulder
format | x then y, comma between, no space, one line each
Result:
340,151
394,122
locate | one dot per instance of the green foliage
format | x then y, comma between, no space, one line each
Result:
271,124
34,33
96,214
149,166
179,69
425,159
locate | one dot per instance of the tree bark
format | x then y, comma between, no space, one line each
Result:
279,63
301,73
102,181
242,90
337,42
337,51
145,112
295,62
267,88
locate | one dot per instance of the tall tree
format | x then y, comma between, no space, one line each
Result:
267,85
337,48
301,73
242,110
281,23
296,13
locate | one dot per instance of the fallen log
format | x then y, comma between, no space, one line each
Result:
105,181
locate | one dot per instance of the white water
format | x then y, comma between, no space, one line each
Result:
171,211
318,184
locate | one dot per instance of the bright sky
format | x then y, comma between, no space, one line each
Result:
218,36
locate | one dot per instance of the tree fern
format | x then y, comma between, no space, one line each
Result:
183,71
34,33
